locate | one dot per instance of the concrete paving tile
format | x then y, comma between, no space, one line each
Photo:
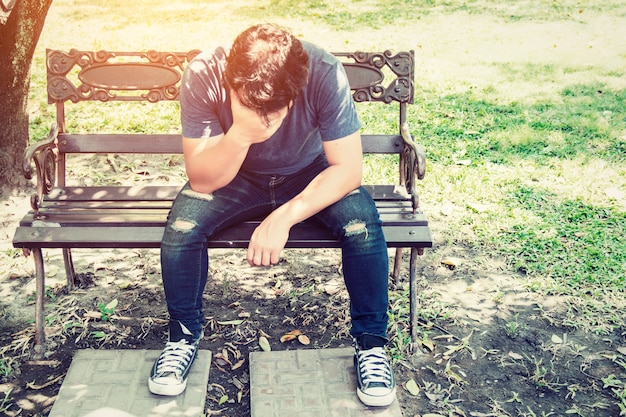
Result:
114,383
308,383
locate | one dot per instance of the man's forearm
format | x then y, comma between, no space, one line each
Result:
269,238
213,163
331,185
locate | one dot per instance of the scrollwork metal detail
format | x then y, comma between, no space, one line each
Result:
413,164
399,88
44,156
65,67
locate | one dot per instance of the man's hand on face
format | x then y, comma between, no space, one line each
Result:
251,127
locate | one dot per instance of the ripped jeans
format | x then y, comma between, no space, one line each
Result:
195,217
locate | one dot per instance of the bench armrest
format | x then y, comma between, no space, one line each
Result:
44,156
413,163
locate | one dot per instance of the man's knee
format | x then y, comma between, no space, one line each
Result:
183,225
355,227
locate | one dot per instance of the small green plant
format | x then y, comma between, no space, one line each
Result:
98,335
51,319
399,346
7,366
12,253
107,310
514,327
618,388
48,295
542,375
7,401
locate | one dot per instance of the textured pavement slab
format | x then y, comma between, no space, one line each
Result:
114,383
308,383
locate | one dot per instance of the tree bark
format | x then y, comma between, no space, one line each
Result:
18,38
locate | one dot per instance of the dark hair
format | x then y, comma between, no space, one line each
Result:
267,67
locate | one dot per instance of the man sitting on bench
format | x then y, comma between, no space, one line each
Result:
270,130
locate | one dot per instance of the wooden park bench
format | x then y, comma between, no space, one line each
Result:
127,216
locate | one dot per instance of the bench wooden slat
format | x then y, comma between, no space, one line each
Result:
114,193
58,206
137,218
235,237
147,193
171,143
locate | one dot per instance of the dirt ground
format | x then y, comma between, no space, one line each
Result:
492,347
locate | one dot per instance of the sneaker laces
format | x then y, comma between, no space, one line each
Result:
374,367
175,358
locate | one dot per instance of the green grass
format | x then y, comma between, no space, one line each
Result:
8,365
541,164
580,246
341,15
587,121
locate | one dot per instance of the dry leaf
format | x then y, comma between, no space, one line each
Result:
332,287
473,316
230,322
556,339
434,397
428,344
238,364
220,361
622,350
31,385
93,315
237,383
304,339
515,356
292,335
264,344
451,262
287,338
412,387
112,305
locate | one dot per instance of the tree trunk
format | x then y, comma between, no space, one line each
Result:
18,38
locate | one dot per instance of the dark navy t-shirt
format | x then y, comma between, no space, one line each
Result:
324,111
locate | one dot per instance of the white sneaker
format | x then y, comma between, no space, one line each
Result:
376,386
170,370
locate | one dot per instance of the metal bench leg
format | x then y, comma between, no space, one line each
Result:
40,292
69,269
413,293
397,263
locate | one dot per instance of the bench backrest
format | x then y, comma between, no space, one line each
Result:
154,76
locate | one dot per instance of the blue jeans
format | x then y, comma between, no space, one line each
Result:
195,217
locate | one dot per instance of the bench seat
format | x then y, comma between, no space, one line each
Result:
134,217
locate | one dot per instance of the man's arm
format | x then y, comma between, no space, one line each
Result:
343,175
211,163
